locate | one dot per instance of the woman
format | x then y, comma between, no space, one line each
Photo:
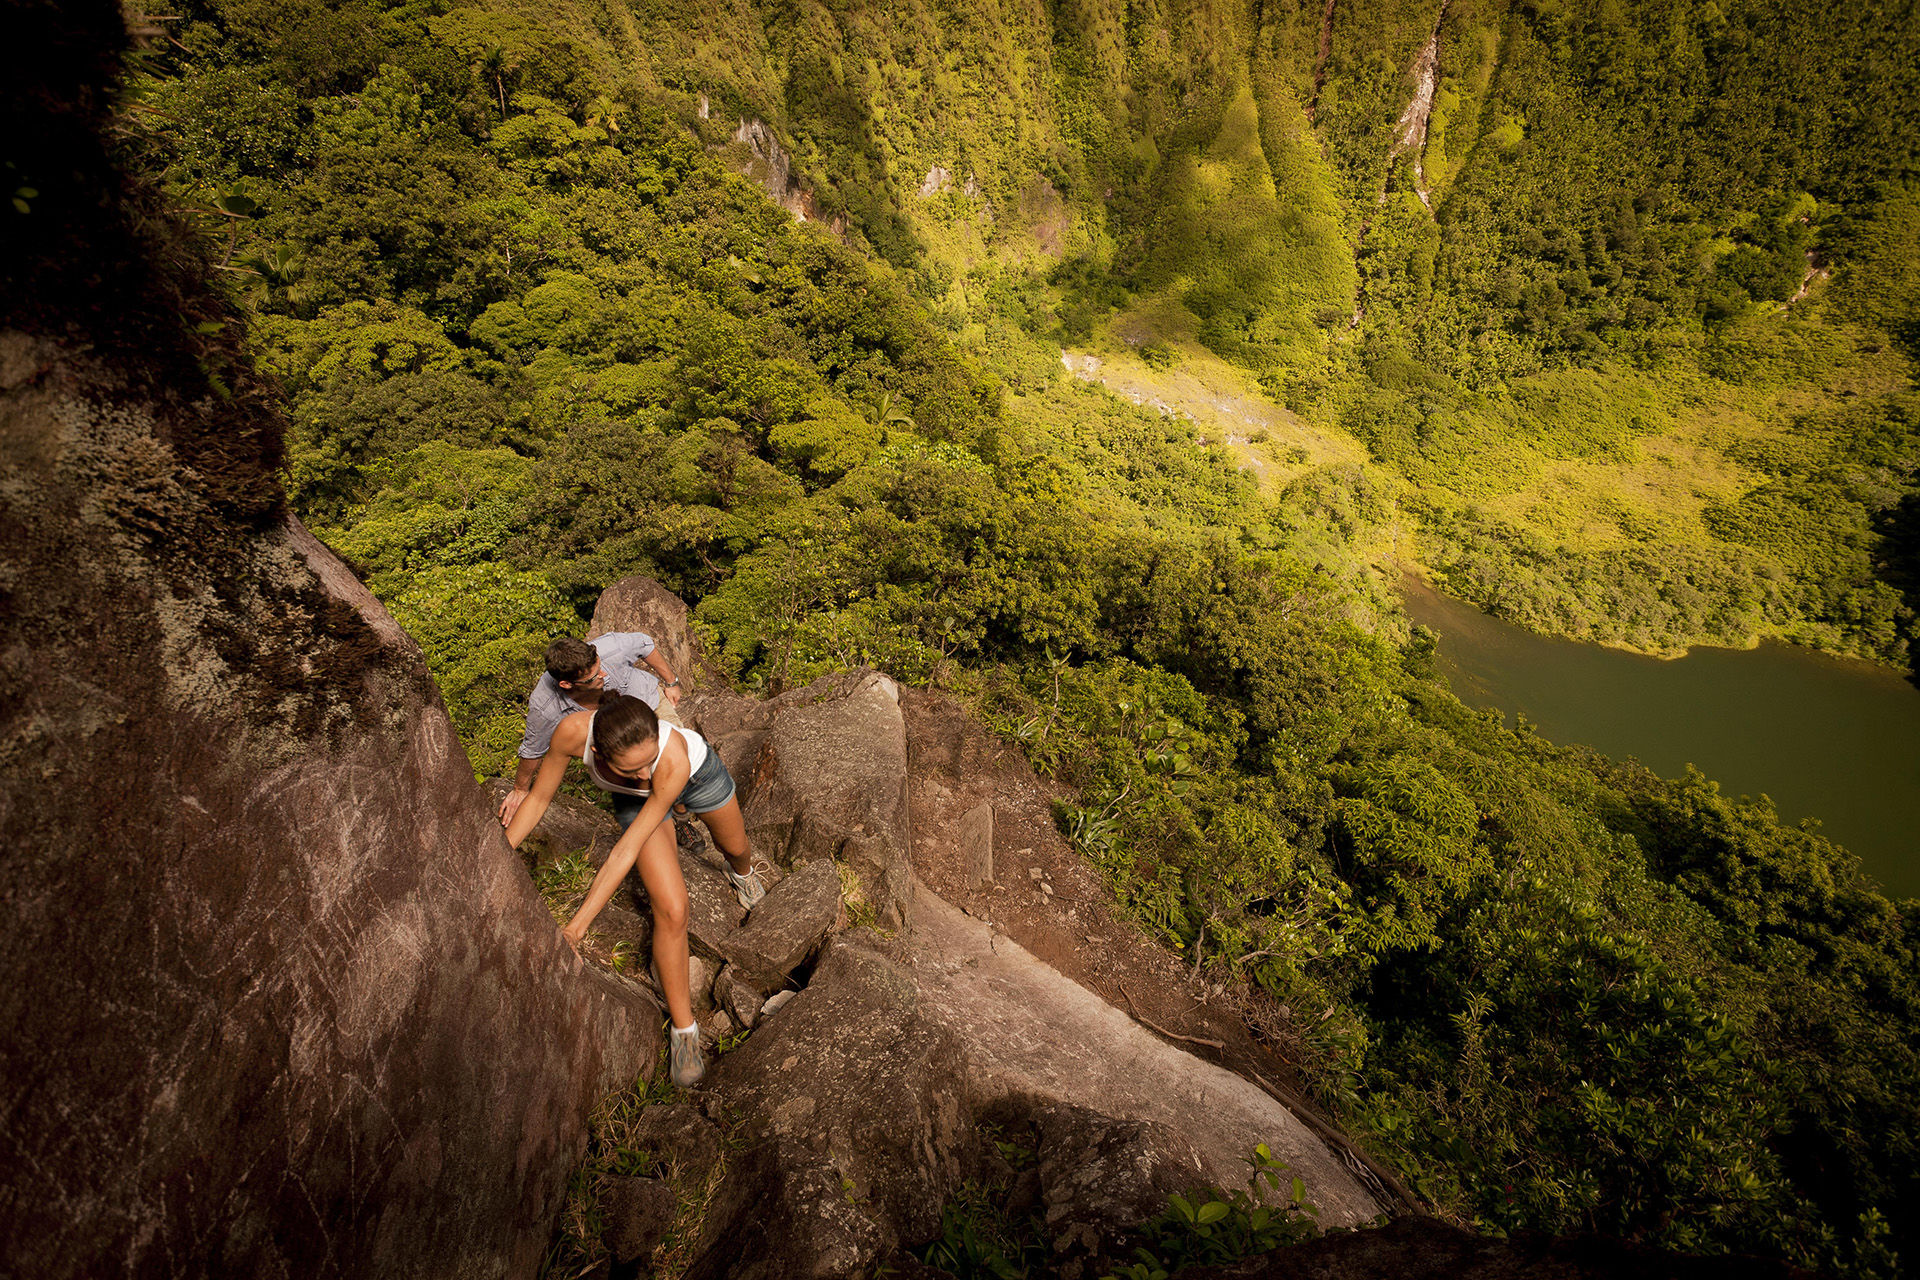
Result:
649,766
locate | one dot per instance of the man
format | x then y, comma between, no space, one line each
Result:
578,673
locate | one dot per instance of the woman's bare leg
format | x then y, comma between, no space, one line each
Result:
730,833
667,891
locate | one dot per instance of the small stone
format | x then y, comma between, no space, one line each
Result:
1046,888
775,1002
1036,875
738,997
716,1027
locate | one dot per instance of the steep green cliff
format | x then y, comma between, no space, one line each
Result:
1565,269
537,332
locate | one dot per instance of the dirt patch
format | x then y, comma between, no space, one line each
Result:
1043,895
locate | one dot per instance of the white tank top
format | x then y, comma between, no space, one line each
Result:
607,780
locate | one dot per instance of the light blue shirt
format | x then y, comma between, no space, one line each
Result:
621,653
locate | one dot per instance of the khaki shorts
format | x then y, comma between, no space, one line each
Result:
668,712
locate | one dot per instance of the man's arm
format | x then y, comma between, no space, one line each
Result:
669,682
542,720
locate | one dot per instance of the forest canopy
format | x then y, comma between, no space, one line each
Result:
1624,346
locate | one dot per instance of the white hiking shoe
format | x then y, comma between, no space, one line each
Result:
747,887
685,1063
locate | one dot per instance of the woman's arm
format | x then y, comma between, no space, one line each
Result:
669,780
568,741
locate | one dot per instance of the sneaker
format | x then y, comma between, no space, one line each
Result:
686,837
747,887
685,1063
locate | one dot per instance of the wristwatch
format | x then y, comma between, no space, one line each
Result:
671,683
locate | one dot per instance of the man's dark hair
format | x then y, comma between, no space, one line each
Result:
569,659
621,722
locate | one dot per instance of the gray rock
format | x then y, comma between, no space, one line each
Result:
738,997
788,926
852,1119
641,604
831,767
638,1212
975,839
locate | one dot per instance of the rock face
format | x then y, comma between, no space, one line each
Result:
822,773
854,1123
278,999
641,604
784,931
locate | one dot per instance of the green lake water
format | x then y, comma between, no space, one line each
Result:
1823,737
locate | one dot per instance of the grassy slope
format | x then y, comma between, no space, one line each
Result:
1556,434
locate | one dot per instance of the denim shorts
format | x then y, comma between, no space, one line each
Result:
710,787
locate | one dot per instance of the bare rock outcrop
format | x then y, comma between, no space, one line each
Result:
279,1000
823,775
641,604
853,1123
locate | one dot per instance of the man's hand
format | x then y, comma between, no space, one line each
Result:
511,805
672,693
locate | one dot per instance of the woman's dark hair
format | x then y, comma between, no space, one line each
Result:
622,722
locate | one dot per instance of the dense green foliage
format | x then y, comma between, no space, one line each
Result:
537,333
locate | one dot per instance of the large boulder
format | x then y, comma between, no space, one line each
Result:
278,999
641,604
786,929
853,1127
860,1113
829,780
